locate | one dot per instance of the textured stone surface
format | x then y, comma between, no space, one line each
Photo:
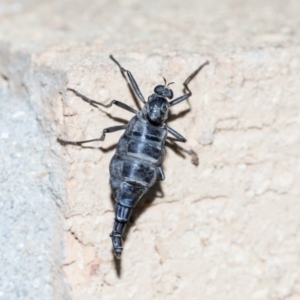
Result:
227,229
30,214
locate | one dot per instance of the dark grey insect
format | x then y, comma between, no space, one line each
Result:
137,163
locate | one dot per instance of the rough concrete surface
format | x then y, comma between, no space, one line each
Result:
227,229
30,227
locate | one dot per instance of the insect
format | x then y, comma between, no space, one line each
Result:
137,163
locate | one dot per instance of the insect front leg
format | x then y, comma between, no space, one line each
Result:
185,84
133,83
105,130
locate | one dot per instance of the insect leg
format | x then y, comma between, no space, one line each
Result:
185,84
95,103
105,130
160,174
178,136
134,85
192,153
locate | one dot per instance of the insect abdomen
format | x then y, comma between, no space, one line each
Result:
132,171
140,151
143,142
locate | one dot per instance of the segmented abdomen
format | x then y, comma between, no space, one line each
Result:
139,153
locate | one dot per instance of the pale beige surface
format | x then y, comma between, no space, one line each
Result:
227,229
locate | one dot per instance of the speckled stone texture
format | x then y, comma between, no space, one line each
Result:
227,229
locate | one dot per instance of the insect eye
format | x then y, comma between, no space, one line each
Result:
159,90
170,94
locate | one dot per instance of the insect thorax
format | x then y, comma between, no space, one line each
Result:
143,141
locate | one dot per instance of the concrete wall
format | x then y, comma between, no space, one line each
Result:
225,229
